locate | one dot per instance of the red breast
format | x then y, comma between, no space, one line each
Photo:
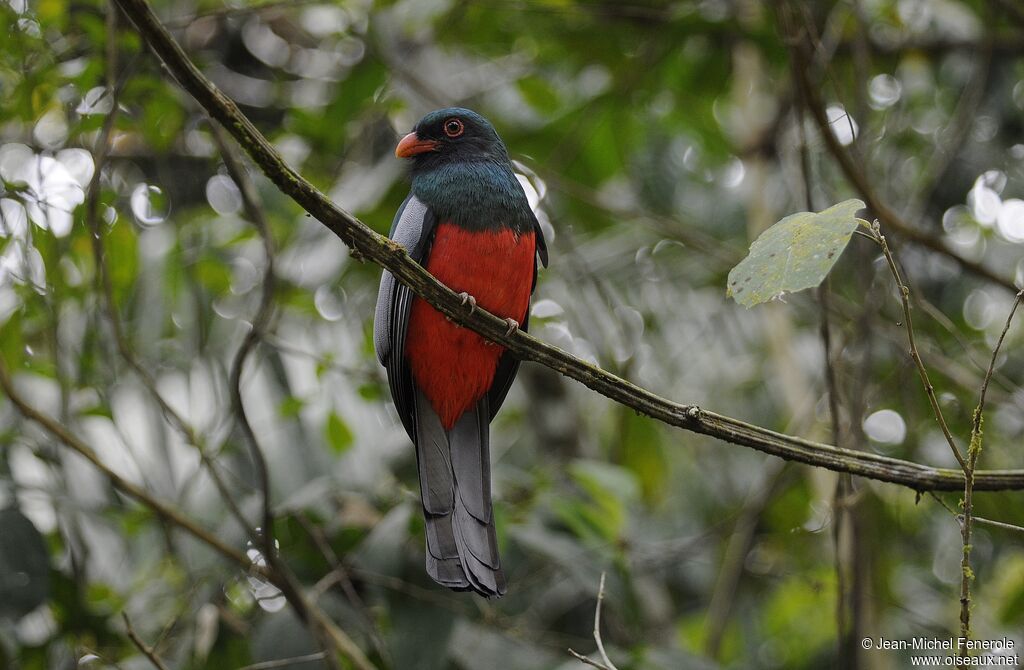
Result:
452,365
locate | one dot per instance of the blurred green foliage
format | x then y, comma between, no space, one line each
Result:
659,139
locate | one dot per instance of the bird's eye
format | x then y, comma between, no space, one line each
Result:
453,127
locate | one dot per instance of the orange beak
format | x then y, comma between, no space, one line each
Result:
412,145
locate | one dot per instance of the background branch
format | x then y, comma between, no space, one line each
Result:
146,650
306,611
605,662
106,291
164,511
856,175
324,632
250,201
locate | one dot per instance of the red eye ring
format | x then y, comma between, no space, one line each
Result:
453,127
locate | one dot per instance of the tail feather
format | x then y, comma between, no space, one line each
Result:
475,540
440,537
485,579
455,484
447,572
471,461
433,458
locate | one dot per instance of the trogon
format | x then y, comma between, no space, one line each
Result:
468,222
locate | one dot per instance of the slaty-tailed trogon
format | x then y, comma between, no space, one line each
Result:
468,222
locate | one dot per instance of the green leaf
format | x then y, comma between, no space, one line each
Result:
600,514
370,391
640,450
794,254
214,275
339,435
24,565
290,407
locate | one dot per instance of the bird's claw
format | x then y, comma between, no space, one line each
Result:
513,326
467,298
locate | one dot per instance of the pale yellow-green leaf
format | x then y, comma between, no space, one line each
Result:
794,254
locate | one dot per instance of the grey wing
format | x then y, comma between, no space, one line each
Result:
508,367
412,228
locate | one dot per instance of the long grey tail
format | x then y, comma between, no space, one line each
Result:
455,486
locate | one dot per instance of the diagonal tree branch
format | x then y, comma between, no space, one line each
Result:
392,256
148,651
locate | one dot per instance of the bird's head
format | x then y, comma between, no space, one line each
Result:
451,135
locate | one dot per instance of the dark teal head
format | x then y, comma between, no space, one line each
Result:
461,170
450,135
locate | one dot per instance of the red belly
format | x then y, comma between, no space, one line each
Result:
452,365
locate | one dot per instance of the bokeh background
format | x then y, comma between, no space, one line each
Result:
656,140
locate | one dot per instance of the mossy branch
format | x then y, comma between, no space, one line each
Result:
970,478
390,255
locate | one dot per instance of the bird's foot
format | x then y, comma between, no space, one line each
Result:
513,326
470,300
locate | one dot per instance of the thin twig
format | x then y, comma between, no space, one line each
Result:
105,285
605,661
146,650
944,504
823,289
734,560
843,499
339,574
597,625
951,139
976,426
922,371
588,661
973,452
831,383
997,524
280,663
946,324
254,211
89,655
959,517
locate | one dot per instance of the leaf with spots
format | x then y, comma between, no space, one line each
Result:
794,254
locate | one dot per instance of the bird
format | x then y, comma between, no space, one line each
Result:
468,222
